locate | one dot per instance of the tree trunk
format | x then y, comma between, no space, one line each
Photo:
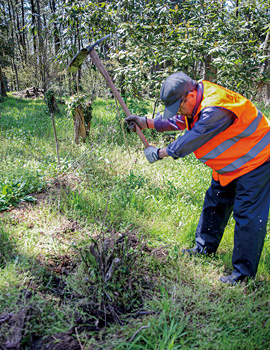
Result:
33,12
13,54
51,102
23,32
79,125
237,8
41,51
209,72
2,85
56,32
12,14
264,86
16,75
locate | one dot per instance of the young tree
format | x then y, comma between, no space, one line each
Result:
6,45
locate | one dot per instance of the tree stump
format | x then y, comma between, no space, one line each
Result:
79,124
81,112
50,100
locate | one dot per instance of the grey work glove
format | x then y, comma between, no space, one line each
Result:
151,153
140,121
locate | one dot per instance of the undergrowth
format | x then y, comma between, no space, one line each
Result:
96,258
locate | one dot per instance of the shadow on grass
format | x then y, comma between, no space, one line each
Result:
8,247
68,292
190,294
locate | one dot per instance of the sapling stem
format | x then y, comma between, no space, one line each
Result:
55,137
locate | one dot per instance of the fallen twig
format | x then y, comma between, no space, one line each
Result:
134,335
77,335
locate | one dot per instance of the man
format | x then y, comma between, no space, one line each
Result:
226,132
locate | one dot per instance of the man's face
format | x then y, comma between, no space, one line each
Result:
187,105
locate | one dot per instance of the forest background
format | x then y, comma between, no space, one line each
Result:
90,233
223,41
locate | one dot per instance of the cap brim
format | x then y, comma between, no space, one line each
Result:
171,111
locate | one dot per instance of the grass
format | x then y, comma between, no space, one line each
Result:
101,205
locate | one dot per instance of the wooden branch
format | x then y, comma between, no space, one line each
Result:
55,138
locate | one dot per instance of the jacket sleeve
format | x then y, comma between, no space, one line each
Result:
176,123
212,121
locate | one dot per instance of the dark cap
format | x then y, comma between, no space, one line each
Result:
173,91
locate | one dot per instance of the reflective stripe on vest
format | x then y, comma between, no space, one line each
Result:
228,143
251,154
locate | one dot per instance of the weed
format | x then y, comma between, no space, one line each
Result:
7,245
11,193
112,276
80,254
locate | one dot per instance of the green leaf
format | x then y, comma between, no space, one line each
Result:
4,189
29,199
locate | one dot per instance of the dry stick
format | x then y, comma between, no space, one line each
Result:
77,335
155,105
55,137
122,126
77,81
134,335
105,213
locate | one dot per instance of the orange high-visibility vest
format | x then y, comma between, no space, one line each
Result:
244,145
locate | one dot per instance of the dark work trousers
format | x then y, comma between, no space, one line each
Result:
248,197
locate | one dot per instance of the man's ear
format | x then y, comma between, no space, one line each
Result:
192,95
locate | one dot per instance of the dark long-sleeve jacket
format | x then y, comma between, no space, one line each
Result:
211,122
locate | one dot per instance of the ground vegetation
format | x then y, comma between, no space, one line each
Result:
91,246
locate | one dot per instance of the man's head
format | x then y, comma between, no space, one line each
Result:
174,90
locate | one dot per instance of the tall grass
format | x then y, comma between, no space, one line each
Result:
98,190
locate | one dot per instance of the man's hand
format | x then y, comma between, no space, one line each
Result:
151,153
140,121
